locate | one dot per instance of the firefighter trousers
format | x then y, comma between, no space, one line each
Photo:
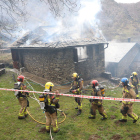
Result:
100,108
79,102
128,110
136,91
23,103
51,119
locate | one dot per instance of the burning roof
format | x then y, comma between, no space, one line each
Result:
45,36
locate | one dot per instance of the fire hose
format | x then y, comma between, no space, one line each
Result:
45,123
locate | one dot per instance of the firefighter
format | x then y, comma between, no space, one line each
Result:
22,97
126,108
50,107
95,103
76,88
134,81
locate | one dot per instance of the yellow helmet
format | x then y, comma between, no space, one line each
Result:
134,73
49,85
75,75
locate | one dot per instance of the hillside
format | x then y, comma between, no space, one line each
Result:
120,21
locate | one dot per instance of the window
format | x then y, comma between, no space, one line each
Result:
82,53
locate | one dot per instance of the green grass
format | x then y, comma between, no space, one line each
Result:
73,128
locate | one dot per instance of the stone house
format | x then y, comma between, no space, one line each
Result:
121,59
56,61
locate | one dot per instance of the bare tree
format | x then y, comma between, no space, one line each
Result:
11,13
57,6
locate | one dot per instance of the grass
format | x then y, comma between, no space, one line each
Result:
73,128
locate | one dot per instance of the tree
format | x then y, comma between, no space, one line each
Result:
11,13
57,6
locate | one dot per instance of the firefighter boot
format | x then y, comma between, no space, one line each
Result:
92,117
25,114
104,118
76,107
123,120
134,121
57,130
21,117
79,112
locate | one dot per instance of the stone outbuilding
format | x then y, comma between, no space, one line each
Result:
121,59
56,61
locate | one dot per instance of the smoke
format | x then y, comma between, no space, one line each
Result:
88,11
82,23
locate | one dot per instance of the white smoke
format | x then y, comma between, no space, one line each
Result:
88,11
73,25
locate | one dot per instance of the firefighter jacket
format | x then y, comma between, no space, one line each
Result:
96,92
128,92
77,85
134,80
20,93
51,103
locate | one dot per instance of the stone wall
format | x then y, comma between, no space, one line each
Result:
56,65
93,66
2,65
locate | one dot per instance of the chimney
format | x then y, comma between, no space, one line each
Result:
129,39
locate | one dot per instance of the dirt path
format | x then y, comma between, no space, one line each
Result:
61,88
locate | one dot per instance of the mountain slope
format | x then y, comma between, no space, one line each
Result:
120,21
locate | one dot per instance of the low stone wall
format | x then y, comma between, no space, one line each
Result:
115,80
2,65
108,76
2,71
